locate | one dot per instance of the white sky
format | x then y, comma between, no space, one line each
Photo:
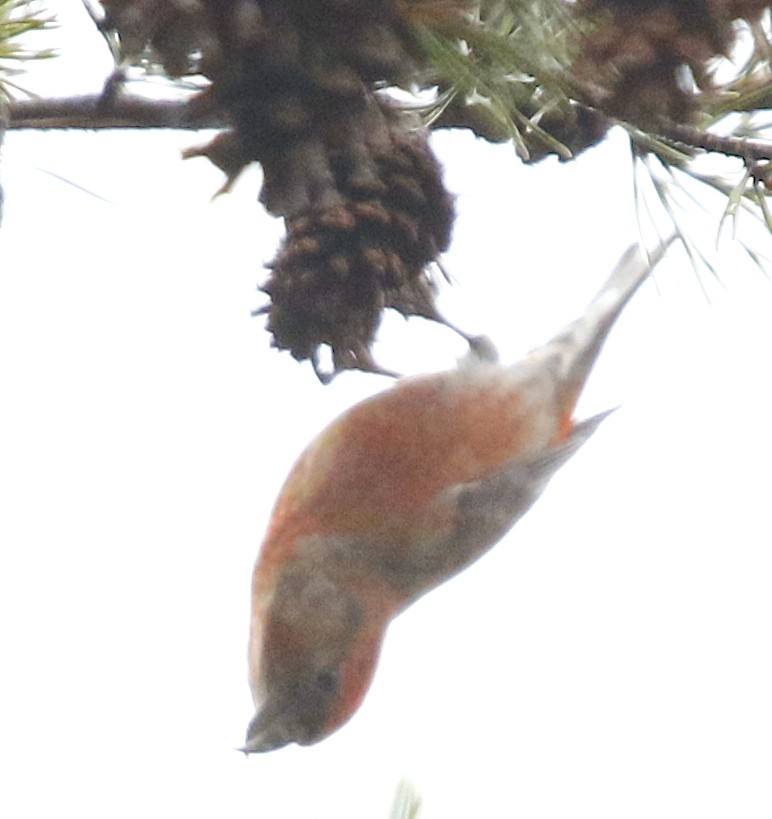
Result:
612,657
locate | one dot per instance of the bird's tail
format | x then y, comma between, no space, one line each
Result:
572,353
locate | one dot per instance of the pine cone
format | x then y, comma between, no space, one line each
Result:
640,48
359,188
340,266
296,78
355,181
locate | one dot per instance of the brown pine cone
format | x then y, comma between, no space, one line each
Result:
339,267
645,56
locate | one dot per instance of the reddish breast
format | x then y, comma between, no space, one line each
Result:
390,455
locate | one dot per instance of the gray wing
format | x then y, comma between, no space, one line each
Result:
489,508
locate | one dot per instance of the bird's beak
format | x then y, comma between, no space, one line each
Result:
266,732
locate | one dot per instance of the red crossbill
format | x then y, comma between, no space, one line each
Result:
401,492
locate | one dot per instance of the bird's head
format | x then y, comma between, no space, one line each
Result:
312,659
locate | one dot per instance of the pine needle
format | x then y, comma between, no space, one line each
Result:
17,19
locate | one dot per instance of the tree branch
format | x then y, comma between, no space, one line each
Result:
747,149
125,111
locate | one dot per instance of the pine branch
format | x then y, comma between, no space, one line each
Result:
750,150
92,111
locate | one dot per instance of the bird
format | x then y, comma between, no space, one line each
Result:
400,493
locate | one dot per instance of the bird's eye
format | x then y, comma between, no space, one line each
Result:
326,681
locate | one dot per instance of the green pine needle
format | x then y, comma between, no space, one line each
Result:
505,66
17,19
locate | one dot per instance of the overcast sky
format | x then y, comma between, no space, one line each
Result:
611,657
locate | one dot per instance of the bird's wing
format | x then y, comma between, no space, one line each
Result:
492,505
483,511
